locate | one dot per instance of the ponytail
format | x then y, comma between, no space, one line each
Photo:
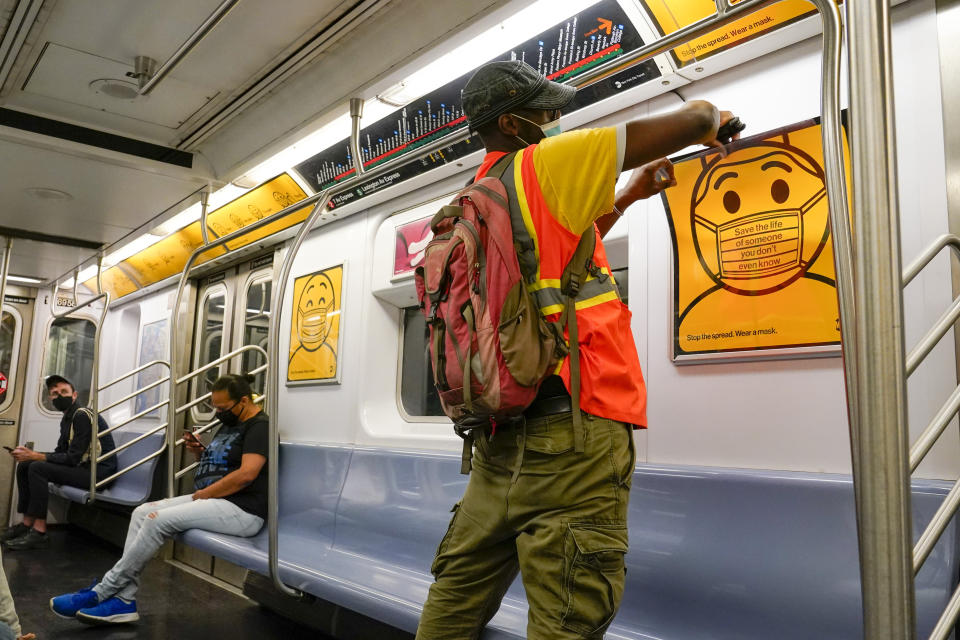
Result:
236,385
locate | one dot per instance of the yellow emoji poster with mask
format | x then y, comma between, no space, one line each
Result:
315,328
753,260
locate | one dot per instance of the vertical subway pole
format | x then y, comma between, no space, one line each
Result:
882,475
356,115
840,232
4,274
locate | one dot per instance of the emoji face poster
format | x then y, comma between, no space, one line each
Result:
315,327
753,273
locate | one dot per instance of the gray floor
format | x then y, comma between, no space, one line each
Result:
172,603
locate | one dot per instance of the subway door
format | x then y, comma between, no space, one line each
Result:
211,341
251,320
14,344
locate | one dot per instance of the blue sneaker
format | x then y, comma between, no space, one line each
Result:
67,605
110,611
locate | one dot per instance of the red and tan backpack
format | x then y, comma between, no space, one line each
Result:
489,344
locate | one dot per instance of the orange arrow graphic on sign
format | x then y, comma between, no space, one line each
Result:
605,25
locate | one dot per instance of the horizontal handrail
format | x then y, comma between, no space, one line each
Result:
155,454
948,319
207,395
132,418
155,383
110,454
934,430
932,338
135,371
931,252
938,524
187,469
230,356
945,624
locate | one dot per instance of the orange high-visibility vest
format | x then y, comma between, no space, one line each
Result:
611,380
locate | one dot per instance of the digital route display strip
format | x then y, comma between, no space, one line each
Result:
592,37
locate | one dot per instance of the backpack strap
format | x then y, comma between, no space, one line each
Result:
574,275
500,166
94,451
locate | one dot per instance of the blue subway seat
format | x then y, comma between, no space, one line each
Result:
714,553
132,488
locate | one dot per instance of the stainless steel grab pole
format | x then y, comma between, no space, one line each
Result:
212,20
95,379
204,204
886,561
356,115
4,273
836,178
273,391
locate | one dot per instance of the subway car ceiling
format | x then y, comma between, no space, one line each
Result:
84,156
89,162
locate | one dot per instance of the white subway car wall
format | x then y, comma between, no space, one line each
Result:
786,414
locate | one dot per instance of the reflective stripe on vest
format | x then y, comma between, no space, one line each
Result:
596,290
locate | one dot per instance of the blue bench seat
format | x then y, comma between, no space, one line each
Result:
714,553
130,489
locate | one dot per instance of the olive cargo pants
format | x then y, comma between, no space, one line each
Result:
562,523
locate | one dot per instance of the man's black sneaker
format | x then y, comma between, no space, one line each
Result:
32,540
15,531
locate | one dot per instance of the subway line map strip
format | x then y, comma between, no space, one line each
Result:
590,38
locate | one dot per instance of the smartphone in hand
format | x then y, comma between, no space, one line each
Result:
10,449
190,435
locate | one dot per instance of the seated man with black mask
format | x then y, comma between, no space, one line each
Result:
230,497
68,464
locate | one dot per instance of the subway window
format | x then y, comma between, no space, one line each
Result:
621,277
256,323
69,353
9,338
418,395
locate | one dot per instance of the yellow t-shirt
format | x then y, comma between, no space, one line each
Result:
577,196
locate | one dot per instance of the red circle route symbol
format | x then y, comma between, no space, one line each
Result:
3,383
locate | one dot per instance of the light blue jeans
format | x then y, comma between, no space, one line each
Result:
153,522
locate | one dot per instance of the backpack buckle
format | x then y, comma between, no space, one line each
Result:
572,289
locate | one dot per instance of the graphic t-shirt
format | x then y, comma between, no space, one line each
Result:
224,455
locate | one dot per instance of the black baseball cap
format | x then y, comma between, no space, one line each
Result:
55,380
497,87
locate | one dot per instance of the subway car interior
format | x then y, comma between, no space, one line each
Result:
199,188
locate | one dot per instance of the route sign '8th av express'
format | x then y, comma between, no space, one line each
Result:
753,273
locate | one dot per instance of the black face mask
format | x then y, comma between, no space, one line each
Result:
62,403
228,418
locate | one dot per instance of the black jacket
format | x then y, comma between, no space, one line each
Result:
69,451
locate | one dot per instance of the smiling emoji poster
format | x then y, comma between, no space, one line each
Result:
753,259
315,329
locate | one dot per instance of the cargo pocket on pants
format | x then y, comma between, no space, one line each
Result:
437,565
594,576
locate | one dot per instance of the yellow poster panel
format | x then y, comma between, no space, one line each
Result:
267,199
315,327
168,256
753,260
672,15
114,281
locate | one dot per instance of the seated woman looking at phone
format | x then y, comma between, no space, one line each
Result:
230,497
